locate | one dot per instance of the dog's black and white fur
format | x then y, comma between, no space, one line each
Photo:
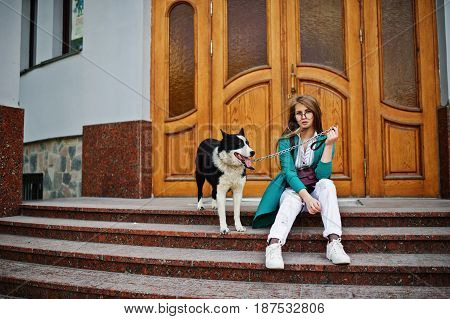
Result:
223,164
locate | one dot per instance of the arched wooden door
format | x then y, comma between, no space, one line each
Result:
256,45
227,64
402,97
180,92
246,79
324,57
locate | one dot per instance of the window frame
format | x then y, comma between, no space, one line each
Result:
66,49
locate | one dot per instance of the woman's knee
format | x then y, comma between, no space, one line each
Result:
293,201
326,184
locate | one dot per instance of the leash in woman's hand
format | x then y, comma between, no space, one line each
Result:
314,146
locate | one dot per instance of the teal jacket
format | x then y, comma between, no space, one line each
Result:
268,206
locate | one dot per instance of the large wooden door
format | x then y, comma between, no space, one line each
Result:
246,79
228,64
180,92
401,98
323,50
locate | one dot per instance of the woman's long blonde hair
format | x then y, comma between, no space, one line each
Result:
293,128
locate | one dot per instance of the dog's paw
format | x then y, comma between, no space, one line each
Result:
213,204
200,204
224,230
240,228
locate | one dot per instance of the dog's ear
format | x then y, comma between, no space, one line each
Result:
241,132
223,134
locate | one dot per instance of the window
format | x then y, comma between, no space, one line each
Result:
28,39
50,30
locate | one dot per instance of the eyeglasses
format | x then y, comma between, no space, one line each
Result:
307,114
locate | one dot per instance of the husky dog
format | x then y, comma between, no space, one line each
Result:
223,164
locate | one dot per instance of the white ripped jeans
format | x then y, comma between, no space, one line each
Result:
291,205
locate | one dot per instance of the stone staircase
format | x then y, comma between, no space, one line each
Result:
165,248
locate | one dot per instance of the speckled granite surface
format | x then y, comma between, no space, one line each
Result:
379,205
399,249
11,158
42,281
301,239
117,160
362,212
366,268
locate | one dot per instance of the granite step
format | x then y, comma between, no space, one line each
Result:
301,239
30,280
312,268
351,216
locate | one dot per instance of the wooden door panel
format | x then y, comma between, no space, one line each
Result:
250,109
334,106
401,97
181,151
180,92
246,86
402,156
325,52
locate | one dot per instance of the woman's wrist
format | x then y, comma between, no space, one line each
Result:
327,153
303,193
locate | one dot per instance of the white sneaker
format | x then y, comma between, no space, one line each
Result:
274,260
336,253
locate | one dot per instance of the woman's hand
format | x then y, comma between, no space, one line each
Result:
313,205
332,136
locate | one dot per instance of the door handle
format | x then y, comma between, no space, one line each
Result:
293,82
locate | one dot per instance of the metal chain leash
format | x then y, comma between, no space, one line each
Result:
292,147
